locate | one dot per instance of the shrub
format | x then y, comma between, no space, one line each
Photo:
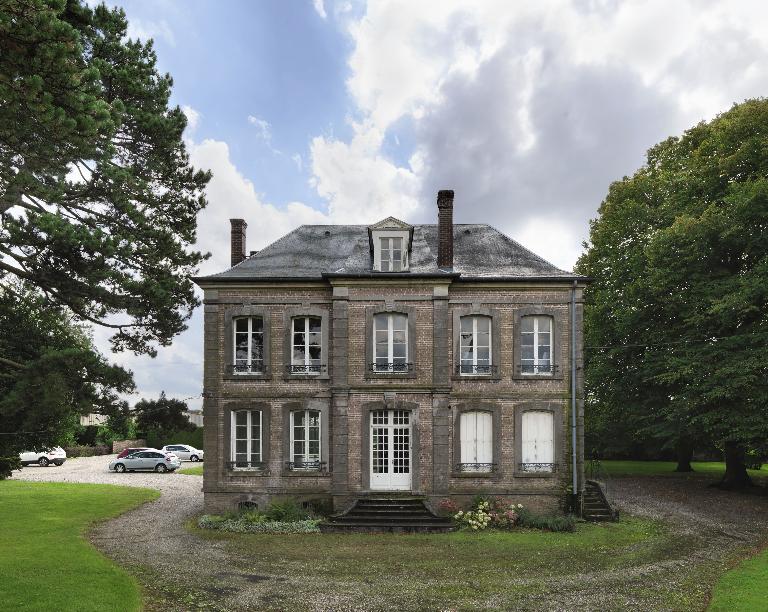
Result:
286,510
498,514
86,451
256,524
547,523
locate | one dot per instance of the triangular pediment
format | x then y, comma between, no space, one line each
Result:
390,223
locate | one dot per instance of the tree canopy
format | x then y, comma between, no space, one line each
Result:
162,416
98,200
678,308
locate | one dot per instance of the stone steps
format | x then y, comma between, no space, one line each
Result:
595,507
394,514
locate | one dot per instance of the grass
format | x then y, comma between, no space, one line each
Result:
460,570
743,588
195,471
46,563
660,468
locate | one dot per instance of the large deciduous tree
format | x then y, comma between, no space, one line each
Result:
678,310
98,200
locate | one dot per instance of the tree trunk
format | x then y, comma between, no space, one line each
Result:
684,450
735,476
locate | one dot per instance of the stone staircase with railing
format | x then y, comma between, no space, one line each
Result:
596,507
387,514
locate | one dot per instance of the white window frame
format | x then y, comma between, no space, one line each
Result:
306,440
480,452
390,342
536,361
249,437
475,346
251,334
380,235
307,360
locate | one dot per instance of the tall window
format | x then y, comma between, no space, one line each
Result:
476,437
305,439
475,346
390,332
536,345
246,438
307,345
538,448
249,344
393,256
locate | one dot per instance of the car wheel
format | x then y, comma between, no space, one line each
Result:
194,458
120,468
160,468
43,461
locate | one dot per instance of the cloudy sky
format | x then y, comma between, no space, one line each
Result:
317,111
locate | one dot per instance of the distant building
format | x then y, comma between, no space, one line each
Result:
195,417
92,419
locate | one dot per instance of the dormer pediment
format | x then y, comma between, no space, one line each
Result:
390,242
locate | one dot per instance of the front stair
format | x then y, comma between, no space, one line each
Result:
596,506
387,514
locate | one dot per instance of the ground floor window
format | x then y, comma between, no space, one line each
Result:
246,439
538,448
305,440
476,440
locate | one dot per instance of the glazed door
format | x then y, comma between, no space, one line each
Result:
391,450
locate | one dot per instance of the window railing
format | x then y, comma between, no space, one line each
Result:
476,370
306,369
476,467
249,368
537,368
246,465
308,466
392,367
538,467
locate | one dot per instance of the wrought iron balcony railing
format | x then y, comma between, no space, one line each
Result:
306,369
478,468
390,367
308,466
538,467
249,368
537,368
246,465
469,369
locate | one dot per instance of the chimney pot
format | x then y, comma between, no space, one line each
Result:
445,229
237,240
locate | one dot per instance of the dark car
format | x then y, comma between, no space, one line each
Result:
128,451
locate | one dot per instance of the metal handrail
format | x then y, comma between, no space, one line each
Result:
476,370
596,472
475,468
306,369
390,367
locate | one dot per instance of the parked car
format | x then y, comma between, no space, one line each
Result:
184,451
151,459
45,457
129,451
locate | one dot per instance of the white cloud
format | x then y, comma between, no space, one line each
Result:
319,8
297,159
263,127
193,119
156,30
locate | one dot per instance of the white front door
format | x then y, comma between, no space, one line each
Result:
391,450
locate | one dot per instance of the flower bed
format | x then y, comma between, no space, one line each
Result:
243,525
497,514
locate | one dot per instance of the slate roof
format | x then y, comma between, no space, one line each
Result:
313,252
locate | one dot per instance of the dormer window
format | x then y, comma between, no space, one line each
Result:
390,242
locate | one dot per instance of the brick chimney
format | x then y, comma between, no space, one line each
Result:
445,229
237,240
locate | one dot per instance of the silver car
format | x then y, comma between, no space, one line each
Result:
185,452
151,459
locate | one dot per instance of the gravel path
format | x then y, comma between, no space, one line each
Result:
183,572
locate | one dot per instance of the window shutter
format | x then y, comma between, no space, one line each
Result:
484,437
468,427
538,433
476,437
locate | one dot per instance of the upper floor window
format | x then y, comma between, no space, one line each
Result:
249,344
305,440
475,346
393,257
307,347
246,438
476,436
536,345
390,331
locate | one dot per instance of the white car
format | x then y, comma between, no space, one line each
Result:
185,452
45,457
149,459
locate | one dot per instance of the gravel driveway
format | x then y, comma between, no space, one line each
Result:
181,571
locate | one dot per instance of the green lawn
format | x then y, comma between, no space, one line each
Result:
46,563
196,471
743,588
658,468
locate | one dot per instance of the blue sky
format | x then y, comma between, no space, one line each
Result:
322,111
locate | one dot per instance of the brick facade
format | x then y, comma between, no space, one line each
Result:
433,394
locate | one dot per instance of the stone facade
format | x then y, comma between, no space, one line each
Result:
433,392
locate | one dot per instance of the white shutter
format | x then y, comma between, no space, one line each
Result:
468,429
538,434
484,437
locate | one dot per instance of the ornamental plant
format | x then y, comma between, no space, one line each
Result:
494,513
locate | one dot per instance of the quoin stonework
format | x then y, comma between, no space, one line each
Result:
351,361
